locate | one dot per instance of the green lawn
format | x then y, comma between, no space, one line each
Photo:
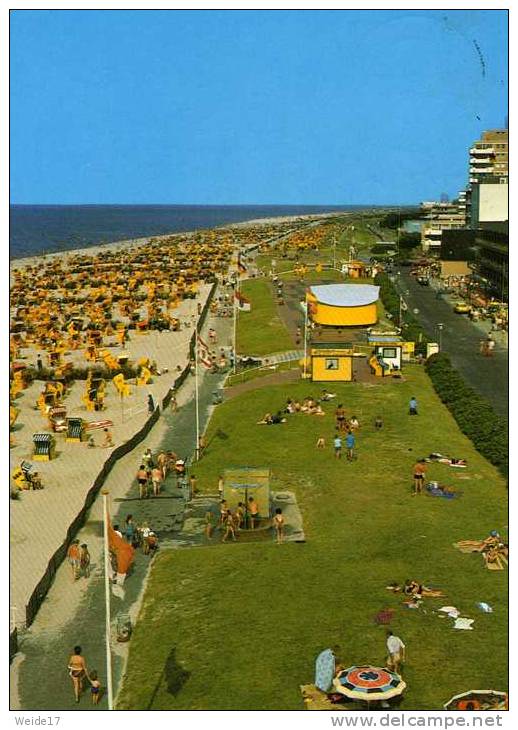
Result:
240,625
261,331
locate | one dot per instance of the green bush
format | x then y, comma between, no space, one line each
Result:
474,415
412,330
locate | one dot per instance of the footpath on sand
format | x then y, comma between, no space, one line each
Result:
74,612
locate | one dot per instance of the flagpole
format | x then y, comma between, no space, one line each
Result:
305,336
196,357
107,595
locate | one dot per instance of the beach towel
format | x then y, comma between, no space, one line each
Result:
434,489
464,623
469,546
98,424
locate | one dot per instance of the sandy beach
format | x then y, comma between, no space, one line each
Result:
129,244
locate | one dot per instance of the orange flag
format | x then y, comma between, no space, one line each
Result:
124,552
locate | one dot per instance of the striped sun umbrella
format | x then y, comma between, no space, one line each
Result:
368,683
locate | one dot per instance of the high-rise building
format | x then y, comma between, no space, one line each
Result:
489,158
487,193
437,218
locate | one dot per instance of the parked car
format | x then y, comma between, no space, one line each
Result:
423,280
462,308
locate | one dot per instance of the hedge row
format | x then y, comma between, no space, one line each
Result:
411,330
474,415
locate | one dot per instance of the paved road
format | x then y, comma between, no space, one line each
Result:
461,340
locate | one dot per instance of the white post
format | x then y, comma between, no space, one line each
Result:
107,572
334,252
400,309
197,450
236,289
305,338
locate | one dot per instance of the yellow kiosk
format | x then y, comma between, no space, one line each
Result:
331,362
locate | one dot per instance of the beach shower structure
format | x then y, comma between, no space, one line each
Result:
241,483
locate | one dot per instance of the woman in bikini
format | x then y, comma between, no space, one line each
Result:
77,671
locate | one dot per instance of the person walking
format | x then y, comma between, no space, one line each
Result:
337,443
84,560
490,346
396,652
130,531
156,479
150,403
77,671
142,479
412,406
350,442
39,364
73,555
419,472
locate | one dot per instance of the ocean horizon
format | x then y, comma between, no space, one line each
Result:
38,229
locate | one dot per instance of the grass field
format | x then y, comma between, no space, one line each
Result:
238,626
261,331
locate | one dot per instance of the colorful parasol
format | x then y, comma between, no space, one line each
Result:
478,699
368,683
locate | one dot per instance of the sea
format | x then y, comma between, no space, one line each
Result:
38,229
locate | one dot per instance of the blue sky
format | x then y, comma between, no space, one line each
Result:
324,107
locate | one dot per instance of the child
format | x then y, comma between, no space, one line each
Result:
192,484
220,487
239,516
209,524
337,443
108,438
95,689
321,442
84,560
230,527
378,423
278,523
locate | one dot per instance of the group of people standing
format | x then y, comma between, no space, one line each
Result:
153,471
244,516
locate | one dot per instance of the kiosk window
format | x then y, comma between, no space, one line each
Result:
331,363
390,352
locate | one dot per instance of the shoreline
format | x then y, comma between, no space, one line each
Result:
125,244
